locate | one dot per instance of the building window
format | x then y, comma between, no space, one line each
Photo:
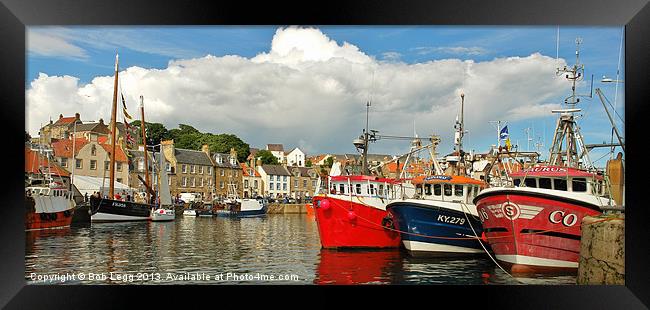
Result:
202,182
79,164
193,181
141,164
193,169
271,186
245,183
64,162
304,183
284,178
107,165
184,168
201,170
168,167
223,172
184,181
93,150
119,180
119,166
255,184
93,164
221,184
210,170
313,183
295,183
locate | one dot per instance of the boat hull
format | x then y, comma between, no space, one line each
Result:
47,220
532,233
248,213
349,224
163,215
119,211
432,229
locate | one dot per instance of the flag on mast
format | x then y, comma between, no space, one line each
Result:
504,135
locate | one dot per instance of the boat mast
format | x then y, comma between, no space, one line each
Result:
459,134
144,144
364,163
567,128
111,187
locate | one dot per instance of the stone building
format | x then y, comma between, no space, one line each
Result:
59,130
66,127
303,182
189,171
228,173
252,184
91,158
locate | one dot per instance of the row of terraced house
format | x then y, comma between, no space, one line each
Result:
84,148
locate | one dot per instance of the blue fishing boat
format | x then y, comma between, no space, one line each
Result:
440,219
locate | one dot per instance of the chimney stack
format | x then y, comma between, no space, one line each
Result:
60,116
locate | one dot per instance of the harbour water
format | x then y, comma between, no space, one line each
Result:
276,249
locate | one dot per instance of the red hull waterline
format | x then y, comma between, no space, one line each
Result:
39,221
531,234
344,224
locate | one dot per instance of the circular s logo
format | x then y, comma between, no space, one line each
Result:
510,210
559,216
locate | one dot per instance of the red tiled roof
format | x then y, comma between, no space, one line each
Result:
32,162
63,148
244,168
119,153
65,121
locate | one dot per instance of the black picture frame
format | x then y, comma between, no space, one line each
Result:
15,15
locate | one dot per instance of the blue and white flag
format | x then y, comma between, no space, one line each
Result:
504,133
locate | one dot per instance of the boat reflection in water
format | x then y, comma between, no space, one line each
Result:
357,267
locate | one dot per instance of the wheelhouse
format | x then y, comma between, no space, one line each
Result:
363,186
448,188
561,179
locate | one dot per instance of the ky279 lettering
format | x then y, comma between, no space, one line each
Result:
451,219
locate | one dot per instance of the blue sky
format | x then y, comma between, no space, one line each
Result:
88,52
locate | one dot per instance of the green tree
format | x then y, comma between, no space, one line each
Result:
308,163
27,136
155,132
267,157
329,162
222,143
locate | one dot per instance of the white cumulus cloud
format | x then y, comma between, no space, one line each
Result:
310,91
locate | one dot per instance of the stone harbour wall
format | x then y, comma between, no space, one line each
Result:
602,250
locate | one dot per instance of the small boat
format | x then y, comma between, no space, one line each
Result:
189,212
48,203
162,215
233,206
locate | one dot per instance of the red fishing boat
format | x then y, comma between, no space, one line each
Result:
49,202
533,223
352,214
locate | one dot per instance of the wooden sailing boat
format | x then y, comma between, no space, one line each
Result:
108,208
